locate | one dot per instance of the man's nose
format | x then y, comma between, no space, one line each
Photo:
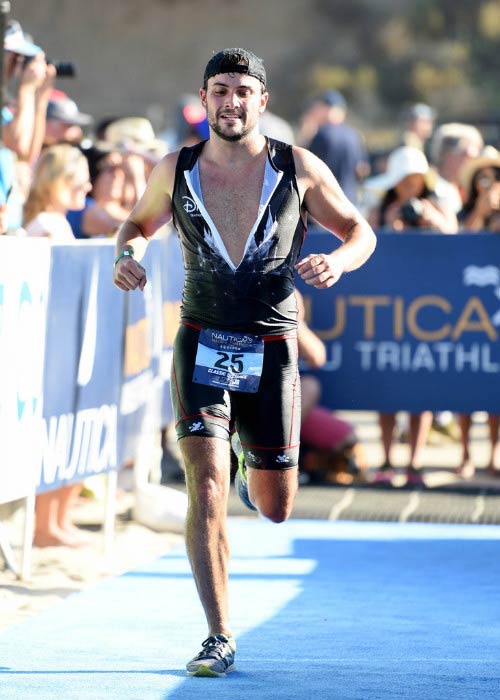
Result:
231,99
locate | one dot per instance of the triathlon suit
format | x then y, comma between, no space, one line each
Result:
254,299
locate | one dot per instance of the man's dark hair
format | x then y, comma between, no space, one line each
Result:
235,61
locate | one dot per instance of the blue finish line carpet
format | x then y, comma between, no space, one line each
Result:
320,610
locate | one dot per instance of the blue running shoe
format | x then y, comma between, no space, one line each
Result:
241,483
215,659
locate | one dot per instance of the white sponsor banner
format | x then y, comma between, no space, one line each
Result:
24,280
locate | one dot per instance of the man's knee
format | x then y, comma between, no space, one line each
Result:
275,513
274,505
207,484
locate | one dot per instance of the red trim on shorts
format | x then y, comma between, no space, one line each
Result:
284,336
191,325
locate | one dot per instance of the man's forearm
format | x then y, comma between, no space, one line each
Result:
19,133
130,237
39,126
358,246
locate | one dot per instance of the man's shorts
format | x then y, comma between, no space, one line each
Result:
267,422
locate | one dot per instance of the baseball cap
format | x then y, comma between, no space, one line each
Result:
65,110
419,110
16,41
235,61
332,98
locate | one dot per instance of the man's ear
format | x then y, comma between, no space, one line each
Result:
203,97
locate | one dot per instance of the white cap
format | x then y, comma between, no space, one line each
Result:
16,41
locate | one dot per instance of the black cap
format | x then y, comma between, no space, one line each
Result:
235,61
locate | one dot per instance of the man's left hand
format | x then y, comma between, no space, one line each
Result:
320,270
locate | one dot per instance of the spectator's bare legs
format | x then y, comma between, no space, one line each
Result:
387,422
494,425
207,465
466,468
420,425
67,497
48,531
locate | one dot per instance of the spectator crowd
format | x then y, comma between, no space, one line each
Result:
63,175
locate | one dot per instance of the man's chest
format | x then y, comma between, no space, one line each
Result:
233,206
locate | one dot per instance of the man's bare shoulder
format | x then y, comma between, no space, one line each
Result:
310,171
163,175
306,163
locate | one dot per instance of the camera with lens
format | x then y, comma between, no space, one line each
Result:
64,69
411,212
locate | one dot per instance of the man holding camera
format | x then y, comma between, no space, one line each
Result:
23,117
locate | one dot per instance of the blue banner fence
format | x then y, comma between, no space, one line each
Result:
416,328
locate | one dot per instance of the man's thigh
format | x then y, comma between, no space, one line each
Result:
200,410
268,422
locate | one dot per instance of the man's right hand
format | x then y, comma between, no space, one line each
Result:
35,71
129,275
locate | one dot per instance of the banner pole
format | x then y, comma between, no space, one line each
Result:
29,523
109,517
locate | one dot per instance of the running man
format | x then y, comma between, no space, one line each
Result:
239,203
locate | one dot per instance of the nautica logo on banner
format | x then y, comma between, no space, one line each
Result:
483,277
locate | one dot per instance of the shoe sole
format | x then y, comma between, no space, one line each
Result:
206,672
246,501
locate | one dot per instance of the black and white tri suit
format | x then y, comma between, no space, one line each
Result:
255,297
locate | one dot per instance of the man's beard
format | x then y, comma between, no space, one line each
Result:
228,137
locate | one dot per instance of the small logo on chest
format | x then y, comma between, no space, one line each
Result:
190,206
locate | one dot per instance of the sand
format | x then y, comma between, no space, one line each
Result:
57,572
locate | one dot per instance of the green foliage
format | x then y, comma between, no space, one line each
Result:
387,54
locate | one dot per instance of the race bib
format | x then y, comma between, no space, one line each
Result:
229,360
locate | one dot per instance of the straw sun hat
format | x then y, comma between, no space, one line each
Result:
133,133
489,158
